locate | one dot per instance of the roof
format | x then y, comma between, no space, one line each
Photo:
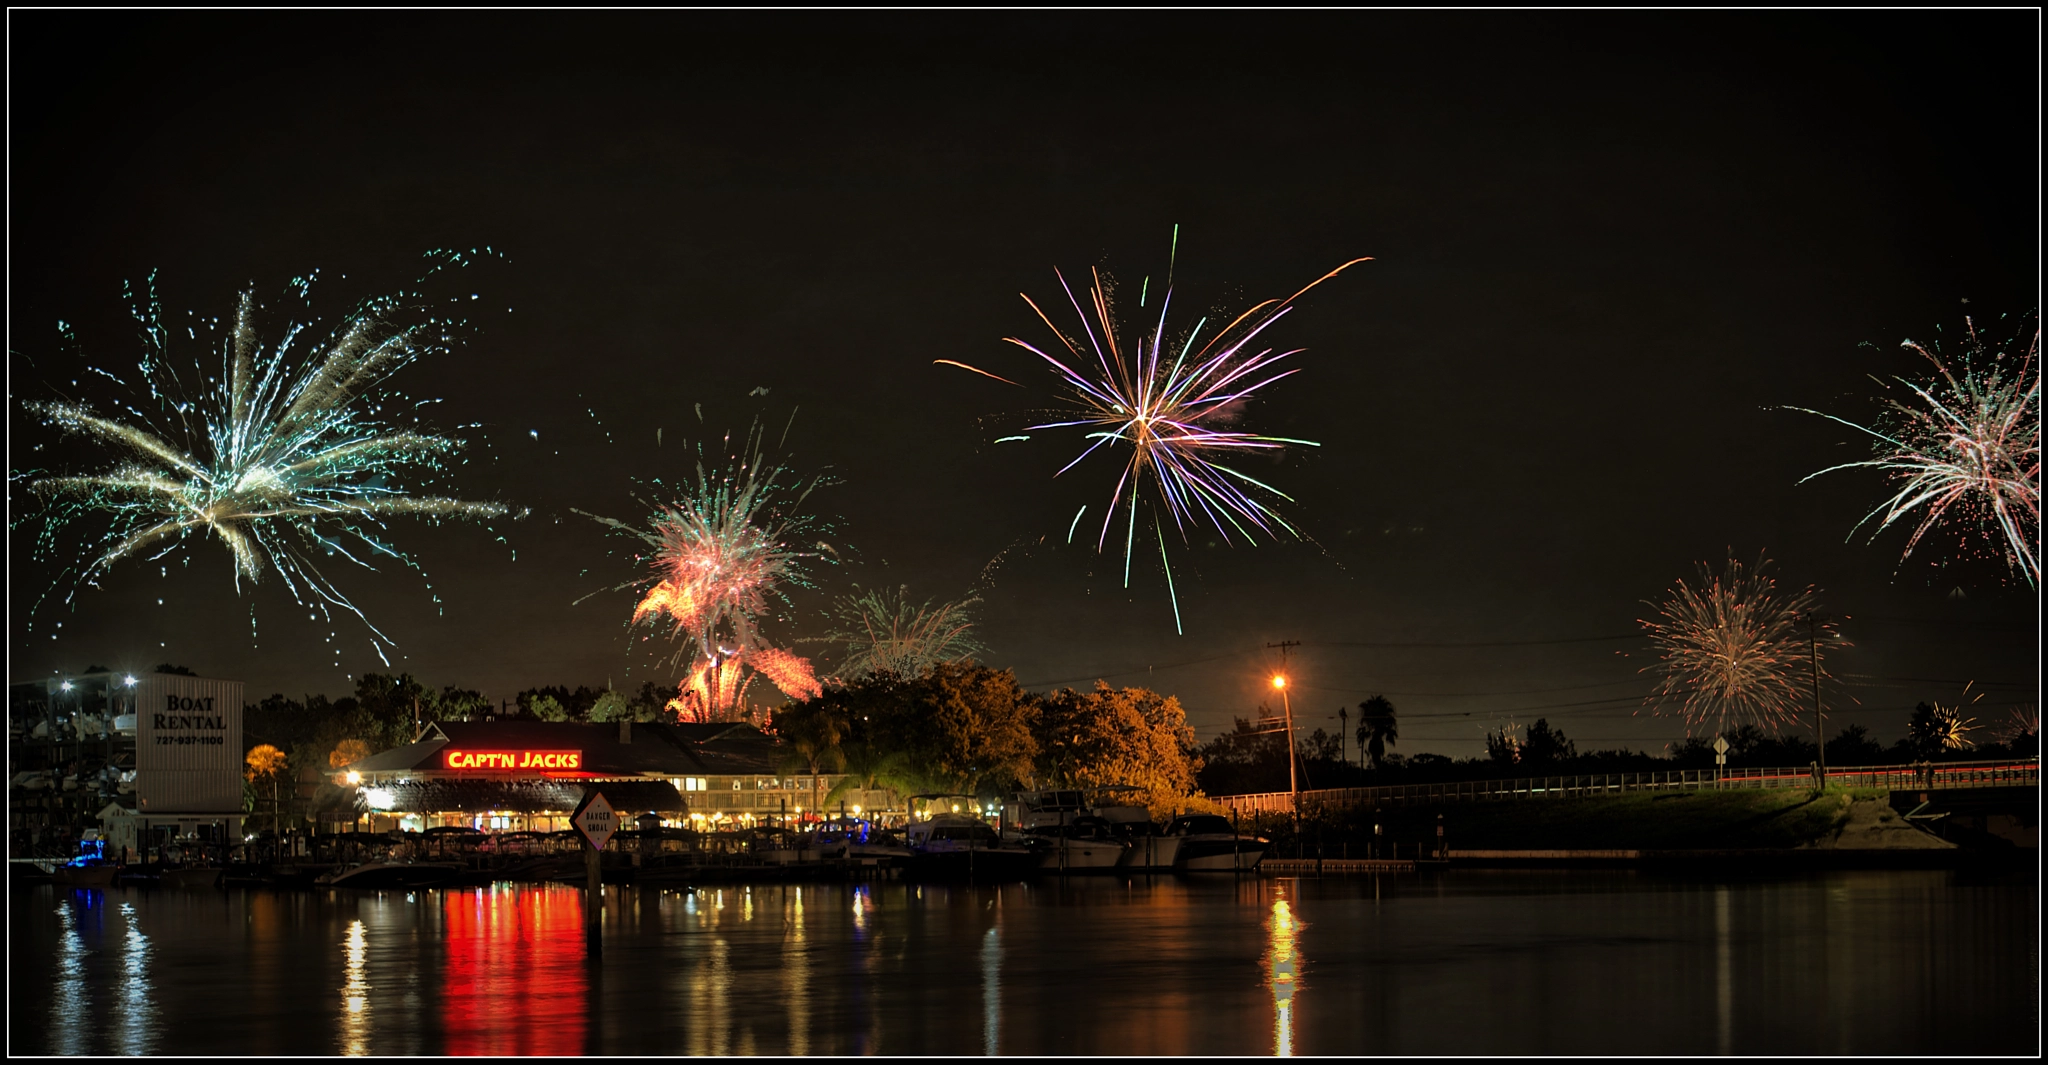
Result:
724,748
476,795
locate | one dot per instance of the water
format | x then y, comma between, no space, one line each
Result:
1462,962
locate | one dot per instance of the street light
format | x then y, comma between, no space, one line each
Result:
1293,789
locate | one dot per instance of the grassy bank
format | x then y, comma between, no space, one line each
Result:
1704,820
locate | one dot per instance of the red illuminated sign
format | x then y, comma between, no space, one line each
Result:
511,761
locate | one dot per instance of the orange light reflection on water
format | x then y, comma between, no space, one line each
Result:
514,977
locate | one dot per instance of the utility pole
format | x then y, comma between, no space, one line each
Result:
1820,742
1280,682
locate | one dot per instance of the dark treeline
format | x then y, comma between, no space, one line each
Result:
1252,756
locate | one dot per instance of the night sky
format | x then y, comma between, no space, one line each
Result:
1604,247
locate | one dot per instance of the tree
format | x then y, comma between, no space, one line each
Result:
613,706
866,765
267,762
812,731
958,725
1131,736
1504,748
166,667
547,708
1936,728
1853,746
1547,747
1377,729
1248,758
347,752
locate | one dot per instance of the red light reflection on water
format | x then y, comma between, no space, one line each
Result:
514,981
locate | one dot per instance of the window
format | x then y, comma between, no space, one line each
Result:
694,784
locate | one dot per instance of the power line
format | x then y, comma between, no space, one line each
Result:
1447,695
1486,643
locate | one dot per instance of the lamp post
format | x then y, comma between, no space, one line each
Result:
1293,789
1820,741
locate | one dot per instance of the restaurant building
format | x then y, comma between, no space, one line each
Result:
529,776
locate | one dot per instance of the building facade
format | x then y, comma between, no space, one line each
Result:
529,775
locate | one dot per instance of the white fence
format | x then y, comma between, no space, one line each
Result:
1924,777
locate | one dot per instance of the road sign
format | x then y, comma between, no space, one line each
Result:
595,820
1720,745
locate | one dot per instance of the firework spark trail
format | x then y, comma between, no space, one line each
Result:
1166,402
719,555
885,631
1734,649
1971,445
288,454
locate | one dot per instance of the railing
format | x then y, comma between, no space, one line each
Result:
1935,777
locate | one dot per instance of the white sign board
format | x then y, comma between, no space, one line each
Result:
188,743
1720,745
597,821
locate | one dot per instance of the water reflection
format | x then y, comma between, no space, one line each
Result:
1459,963
71,1004
1283,932
796,980
355,993
136,1005
1724,976
991,990
513,970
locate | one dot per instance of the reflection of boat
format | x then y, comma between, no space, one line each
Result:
963,847
1210,843
386,873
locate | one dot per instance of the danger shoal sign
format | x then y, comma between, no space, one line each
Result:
595,820
511,761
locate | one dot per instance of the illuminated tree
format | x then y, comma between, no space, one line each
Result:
264,761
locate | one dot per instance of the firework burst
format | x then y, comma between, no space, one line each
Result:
720,557
1737,650
1965,449
297,450
1168,405
885,632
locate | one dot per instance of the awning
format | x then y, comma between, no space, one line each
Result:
628,797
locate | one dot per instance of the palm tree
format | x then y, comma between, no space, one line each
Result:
1377,730
865,766
813,737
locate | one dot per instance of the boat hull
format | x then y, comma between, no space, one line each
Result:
90,876
1153,854
1082,856
1219,854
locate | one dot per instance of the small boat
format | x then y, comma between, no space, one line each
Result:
85,873
1209,843
963,847
385,873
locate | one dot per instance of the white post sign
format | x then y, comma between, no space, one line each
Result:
596,821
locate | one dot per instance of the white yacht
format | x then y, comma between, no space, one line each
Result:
1085,844
1209,843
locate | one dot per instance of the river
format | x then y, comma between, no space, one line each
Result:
1508,962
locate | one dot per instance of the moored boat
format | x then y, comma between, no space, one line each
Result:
1209,843
1086,844
963,847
